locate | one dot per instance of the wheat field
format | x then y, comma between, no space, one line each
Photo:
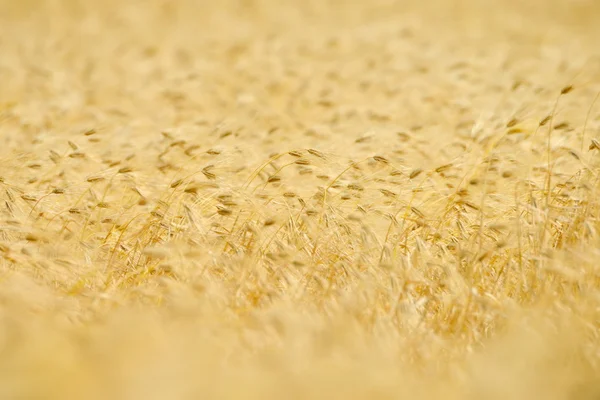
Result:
262,199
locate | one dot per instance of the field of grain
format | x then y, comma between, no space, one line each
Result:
286,199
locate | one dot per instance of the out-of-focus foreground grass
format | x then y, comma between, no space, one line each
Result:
299,199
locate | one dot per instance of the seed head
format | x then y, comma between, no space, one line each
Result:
94,178
512,123
223,211
566,89
545,120
316,153
415,173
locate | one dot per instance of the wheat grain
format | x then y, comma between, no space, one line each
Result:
311,199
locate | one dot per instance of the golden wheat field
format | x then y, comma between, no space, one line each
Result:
286,199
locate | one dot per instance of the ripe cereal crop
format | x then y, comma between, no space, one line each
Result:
261,199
